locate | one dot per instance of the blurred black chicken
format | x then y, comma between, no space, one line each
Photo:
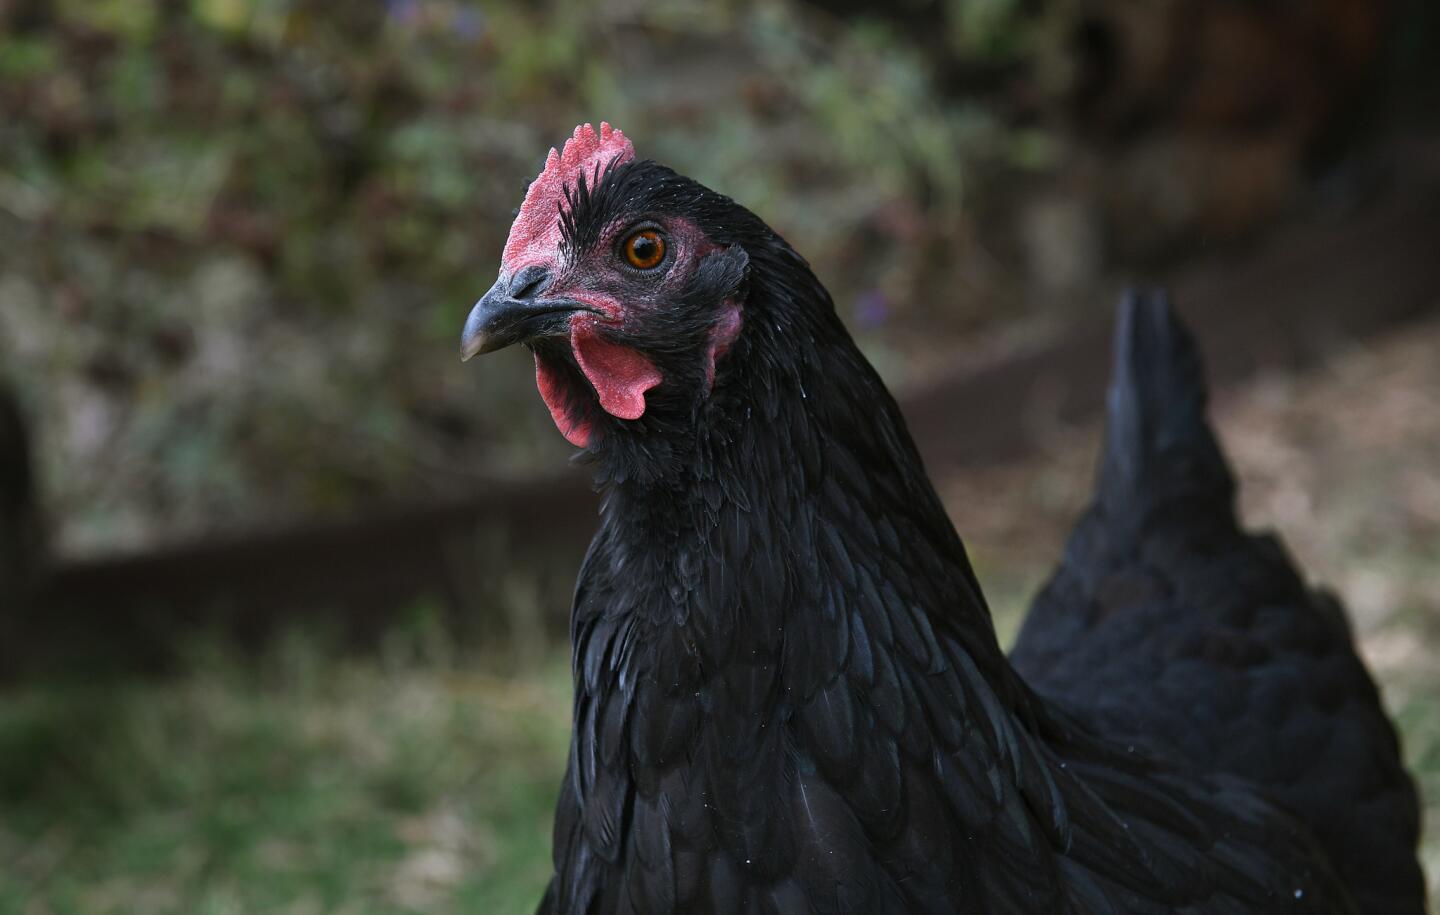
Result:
789,696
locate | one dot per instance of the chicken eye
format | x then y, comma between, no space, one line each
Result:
644,250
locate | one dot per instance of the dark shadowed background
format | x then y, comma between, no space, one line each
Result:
283,585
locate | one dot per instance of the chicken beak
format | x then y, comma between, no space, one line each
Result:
482,333
513,311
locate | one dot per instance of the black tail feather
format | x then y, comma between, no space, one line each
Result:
1160,452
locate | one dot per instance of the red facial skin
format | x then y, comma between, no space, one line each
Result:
620,375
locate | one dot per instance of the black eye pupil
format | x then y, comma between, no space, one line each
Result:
644,248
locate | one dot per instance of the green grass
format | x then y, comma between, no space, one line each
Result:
1419,721
303,783
300,786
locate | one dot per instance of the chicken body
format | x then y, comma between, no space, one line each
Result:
789,696
1168,626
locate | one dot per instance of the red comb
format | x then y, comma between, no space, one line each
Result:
536,228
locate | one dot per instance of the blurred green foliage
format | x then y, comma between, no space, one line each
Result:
238,237
301,784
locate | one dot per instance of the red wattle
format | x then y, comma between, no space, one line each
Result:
552,391
621,375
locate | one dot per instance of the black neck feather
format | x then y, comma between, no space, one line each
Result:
798,440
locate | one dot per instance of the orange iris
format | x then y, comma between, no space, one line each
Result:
645,249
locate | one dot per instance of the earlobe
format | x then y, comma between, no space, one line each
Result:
728,271
722,336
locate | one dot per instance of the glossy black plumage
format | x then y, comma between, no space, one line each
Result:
789,696
1168,624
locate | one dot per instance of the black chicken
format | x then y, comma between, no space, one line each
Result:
789,696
